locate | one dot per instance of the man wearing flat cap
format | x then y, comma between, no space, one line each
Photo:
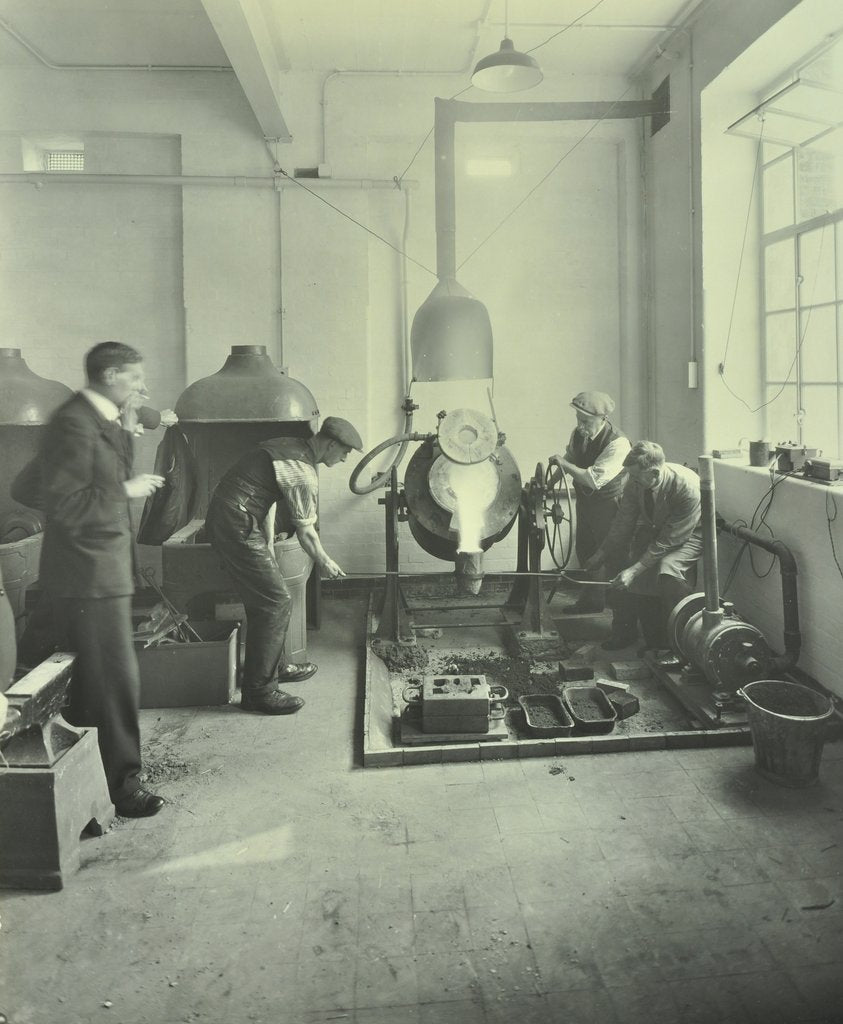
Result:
594,460
273,490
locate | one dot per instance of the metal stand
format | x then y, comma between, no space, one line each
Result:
395,624
534,636
712,710
53,787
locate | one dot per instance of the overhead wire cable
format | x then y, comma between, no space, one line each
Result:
348,216
562,31
544,178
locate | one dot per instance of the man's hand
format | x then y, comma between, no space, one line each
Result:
129,411
623,579
329,568
168,418
143,485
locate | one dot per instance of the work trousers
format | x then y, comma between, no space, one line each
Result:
236,536
651,611
595,516
105,685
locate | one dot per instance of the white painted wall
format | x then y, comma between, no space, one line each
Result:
798,517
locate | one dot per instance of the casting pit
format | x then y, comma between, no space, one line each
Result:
467,642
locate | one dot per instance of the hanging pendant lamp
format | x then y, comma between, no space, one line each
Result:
508,70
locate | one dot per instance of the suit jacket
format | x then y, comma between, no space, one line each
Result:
664,530
88,548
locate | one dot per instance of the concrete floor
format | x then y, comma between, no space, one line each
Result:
283,884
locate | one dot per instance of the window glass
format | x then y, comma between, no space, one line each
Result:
781,413
780,275
778,195
819,425
819,170
816,266
781,346
818,339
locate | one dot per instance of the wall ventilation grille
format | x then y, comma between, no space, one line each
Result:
64,160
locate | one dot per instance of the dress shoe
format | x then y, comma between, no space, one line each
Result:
139,804
616,641
297,673
276,702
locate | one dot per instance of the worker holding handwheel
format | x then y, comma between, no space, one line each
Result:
272,490
594,460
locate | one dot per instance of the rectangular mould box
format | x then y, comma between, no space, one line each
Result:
379,750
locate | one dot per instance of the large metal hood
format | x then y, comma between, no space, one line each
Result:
248,388
25,398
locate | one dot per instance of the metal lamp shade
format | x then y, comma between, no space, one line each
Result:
508,70
451,336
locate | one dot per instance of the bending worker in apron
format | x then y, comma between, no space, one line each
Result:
594,460
271,490
657,537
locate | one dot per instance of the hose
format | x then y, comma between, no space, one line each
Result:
401,439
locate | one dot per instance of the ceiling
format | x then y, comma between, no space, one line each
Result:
320,36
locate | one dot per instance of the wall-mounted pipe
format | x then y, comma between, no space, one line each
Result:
713,611
25,43
40,179
790,598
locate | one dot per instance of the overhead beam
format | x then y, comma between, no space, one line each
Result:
242,31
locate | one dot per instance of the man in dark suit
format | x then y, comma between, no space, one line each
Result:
87,559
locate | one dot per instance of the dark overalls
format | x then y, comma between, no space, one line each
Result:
233,527
595,508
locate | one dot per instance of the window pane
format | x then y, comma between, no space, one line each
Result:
781,414
839,227
827,68
816,266
781,346
819,425
780,275
818,352
778,195
818,176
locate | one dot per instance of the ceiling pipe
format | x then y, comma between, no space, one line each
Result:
104,67
39,179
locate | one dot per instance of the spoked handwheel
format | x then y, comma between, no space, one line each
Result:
558,511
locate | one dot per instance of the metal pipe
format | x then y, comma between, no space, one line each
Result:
790,597
713,611
445,192
104,67
39,179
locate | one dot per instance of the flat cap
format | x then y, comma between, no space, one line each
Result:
341,430
595,403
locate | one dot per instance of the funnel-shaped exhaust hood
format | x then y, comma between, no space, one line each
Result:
248,388
451,336
25,398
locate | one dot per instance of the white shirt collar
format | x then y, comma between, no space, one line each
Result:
104,406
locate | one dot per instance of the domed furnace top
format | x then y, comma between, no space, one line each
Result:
248,388
25,398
